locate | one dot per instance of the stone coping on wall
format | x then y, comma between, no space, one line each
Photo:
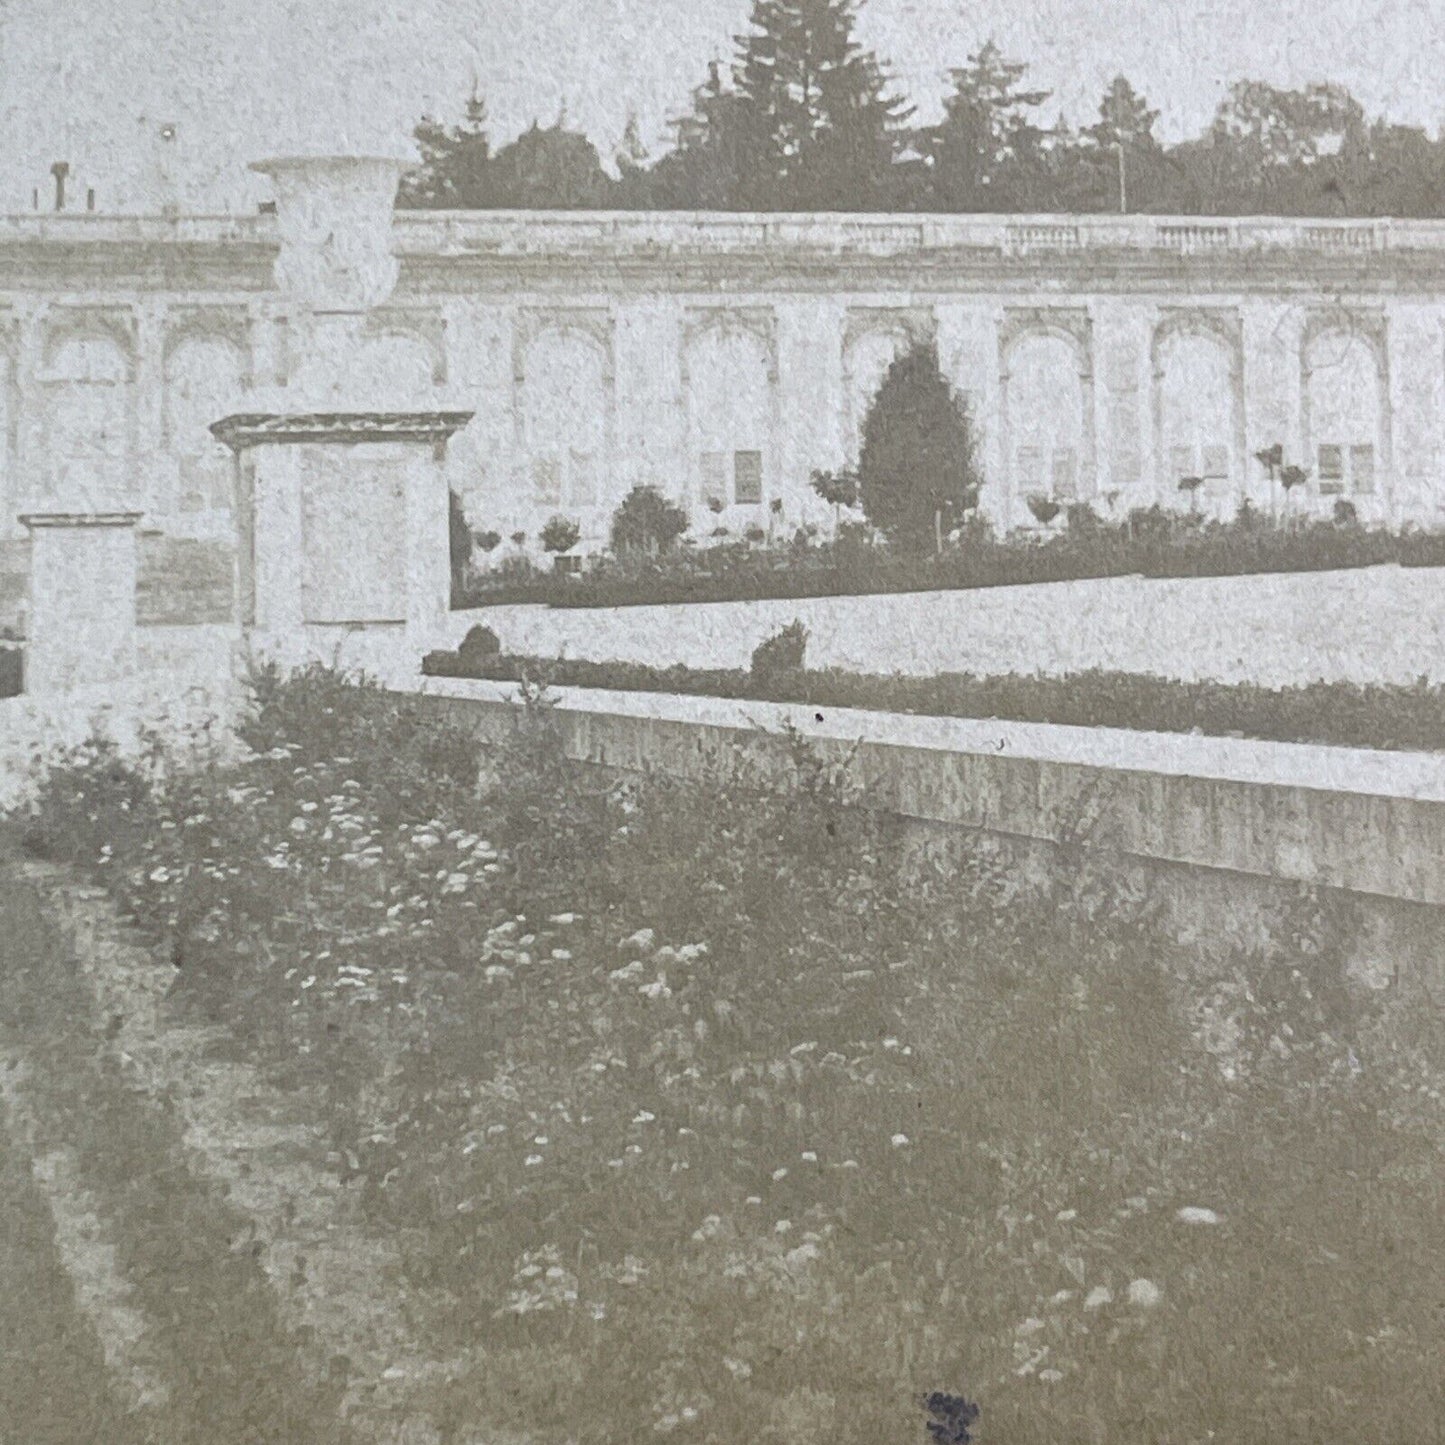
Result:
1241,760
78,519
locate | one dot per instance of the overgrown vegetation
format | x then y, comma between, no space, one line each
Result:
1152,542
714,1110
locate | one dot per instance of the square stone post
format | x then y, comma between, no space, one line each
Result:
82,623
349,530
344,505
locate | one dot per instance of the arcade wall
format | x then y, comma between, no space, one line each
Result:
724,358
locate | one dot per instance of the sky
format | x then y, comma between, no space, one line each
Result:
98,82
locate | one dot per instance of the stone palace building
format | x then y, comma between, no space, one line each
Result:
725,357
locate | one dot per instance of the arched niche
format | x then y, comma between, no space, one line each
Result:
564,410
87,382
1344,406
207,375
1047,391
873,339
1197,364
730,379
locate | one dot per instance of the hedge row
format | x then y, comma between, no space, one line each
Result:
12,671
734,574
1409,717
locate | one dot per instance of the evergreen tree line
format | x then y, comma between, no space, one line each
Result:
806,119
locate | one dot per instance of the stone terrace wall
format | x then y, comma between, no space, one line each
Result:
1220,826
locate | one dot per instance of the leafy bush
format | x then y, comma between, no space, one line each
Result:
488,541
561,534
781,656
917,469
1044,509
479,645
646,522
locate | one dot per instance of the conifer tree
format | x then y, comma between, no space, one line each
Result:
988,145
818,128
455,169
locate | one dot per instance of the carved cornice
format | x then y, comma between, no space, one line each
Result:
66,322
758,322
1369,325
916,325
230,324
415,323
251,429
1069,323
593,324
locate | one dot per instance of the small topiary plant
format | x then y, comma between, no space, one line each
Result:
646,522
488,541
480,644
781,655
1044,509
561,534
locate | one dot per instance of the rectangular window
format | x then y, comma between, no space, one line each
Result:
1181,463
1331,469
1030,470
714,477
547,480
1063,474
748,477
1362,470
1216,464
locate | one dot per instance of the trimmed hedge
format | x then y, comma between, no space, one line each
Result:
12,671
1154,545
1403,717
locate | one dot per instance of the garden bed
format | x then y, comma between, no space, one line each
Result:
1159,545
698,1111
1410,718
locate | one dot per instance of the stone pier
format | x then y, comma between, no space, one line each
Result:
342,496
82,614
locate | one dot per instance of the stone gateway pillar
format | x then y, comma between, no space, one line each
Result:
81,629
342,500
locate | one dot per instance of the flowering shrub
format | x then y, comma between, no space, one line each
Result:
732,1114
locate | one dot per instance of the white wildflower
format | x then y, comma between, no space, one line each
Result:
1193,1214
1145,1293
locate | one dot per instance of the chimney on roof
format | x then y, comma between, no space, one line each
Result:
60,170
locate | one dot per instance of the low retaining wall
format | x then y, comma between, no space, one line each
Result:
1369,823
1373,625
187,712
